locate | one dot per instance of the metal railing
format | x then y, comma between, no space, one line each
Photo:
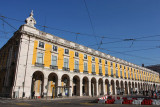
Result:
54,67
39,64
66,69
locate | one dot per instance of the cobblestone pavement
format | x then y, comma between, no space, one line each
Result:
69,102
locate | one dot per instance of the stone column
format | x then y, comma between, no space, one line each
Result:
115,88
110,89
70,89
59,89
104,90
80,88
97,89
89,87
45,87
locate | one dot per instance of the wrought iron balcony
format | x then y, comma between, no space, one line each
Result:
54,67
112,75
121,76
85,72
117,76
39,64
66,69
125,77
76,70
93,73
106,75
100,74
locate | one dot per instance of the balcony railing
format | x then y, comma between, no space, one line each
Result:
76,70
66,69
39,64
93,73
106,75
117,76
125,77
121,76
85,72
100,74
112,75
54,67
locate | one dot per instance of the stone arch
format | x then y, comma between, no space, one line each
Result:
94,86
85,86
100,87
52,84
76,86
112,87
117,87
126,87
37,84
107,85
122,87
65,81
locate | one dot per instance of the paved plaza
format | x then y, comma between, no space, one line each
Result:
59,102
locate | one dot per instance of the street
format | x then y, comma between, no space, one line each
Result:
78,102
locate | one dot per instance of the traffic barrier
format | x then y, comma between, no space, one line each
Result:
127,102
102,101
137,101
118,101
110,101
156,102
146,102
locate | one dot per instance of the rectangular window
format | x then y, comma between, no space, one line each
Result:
111,63
85,66
54,48
40,58
116,72
66,51
111,71
121,73
76,54
85,56
76,64
125,73
93,68
106,70
66,62
100,60
41,44
128,75
54,60
93,58
100,69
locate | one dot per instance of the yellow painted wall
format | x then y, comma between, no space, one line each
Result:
47,55
114,70
118,70
103,67
127,72
71,60
89,64
81,62
34,52
109,68
60,57
97,65
123,71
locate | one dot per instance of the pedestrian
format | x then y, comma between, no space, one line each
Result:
33,93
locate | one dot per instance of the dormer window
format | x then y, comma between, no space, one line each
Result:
54,48
100,61
116,65
41,44
93,58
66,51
85,56
76,54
